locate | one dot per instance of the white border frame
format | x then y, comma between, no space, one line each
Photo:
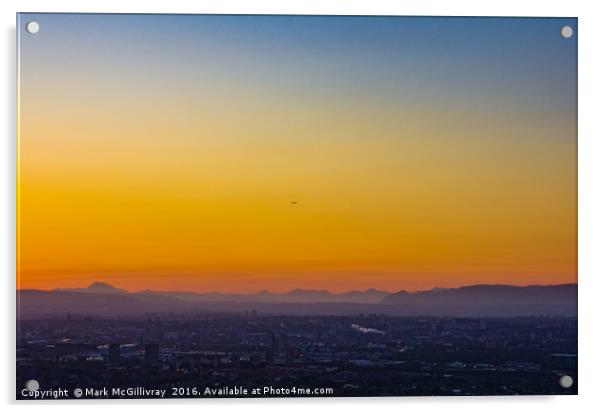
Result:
590,198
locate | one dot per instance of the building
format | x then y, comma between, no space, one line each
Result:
114,353
151,354
269,356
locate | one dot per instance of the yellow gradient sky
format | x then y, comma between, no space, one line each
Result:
149,165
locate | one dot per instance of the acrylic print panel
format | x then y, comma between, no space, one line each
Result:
259,206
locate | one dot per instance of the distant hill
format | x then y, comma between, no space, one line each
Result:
102,299
535,299
293,296
95,288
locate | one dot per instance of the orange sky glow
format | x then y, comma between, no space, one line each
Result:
262,176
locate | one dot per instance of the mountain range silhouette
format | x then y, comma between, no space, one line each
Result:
486,300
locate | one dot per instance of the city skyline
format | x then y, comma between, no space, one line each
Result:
243,153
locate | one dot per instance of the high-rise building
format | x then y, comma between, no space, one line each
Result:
114,353
274,343
151,354
235,358
269,356
291,353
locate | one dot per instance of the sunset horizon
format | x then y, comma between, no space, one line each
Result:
284,291
238,153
